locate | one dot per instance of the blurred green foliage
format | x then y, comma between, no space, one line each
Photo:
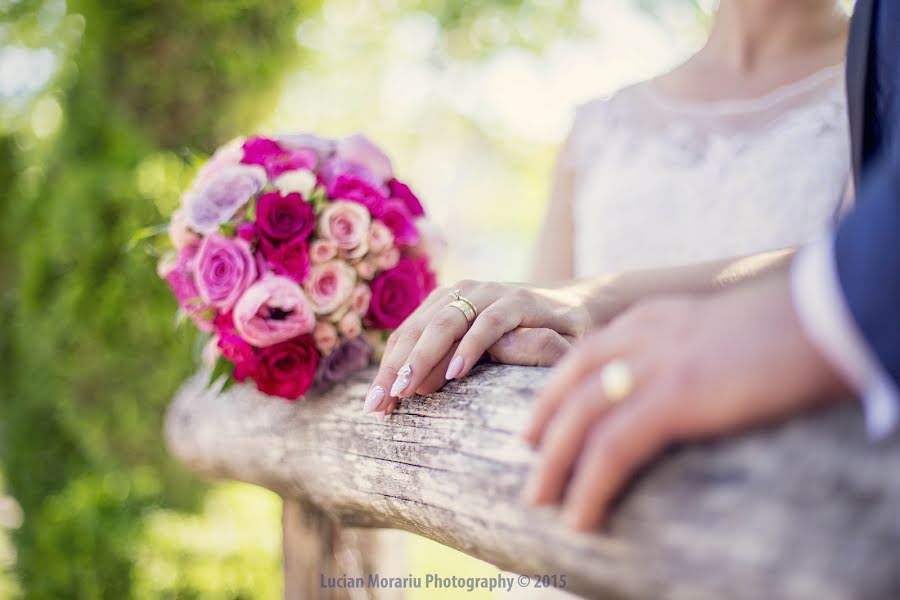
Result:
91,356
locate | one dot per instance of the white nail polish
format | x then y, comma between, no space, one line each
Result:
402,381
374,398
455,368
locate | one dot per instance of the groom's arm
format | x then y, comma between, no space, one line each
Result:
847,293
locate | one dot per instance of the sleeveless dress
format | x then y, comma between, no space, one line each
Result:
661,182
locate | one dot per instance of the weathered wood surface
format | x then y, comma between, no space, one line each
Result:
806,510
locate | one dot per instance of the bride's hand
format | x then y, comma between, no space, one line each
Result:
515,324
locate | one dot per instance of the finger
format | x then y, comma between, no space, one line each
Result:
618,445
564,438
400,342
444,329
436,380
389,409
529,347
486,330
587,356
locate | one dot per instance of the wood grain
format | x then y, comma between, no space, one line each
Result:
809,509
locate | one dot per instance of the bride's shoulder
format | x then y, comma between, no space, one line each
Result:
612,107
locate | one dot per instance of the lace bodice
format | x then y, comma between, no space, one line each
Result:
662,182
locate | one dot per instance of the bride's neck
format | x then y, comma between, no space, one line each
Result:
747,33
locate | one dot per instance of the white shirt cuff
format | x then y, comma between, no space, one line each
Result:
824,315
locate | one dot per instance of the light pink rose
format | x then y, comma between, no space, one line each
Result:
360,299
211,352
360,150
225,268
323,147
366,268
389,259
346,224
179,233
329,285
350,325
226,156
321,251
273,310
380,237
217,200
325,336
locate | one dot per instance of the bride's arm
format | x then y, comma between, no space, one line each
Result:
606,297
554,259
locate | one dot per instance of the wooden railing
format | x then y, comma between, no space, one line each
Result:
808,509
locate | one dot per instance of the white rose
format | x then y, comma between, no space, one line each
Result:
301,181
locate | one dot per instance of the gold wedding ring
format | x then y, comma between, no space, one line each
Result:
463,305
616,380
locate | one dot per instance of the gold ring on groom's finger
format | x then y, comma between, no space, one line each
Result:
616,380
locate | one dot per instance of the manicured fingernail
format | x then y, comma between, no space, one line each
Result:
374,398
402,381
380,416
455,368
530,492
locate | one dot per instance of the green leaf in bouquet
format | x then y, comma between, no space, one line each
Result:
228,229
145,234
318,199
250,212
224,367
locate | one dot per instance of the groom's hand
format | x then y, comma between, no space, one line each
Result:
700,368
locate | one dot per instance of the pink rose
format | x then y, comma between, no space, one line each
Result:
360,299
389,259
273,310
283,218
329,285
346,224
401,192
350,325
178,272
290,259
275,159
248,232
217,200
360,150
380,237
397,293
210,353
286,369
354,189
225,268
325,336
321,251
397,218
367,267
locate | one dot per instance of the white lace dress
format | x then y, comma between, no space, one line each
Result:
662,182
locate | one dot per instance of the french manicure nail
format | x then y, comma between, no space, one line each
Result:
402,381
455,368
380,416
374,398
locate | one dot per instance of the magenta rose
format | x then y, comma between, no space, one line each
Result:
358,149
398,219
396,294
286,369
401,191
346,225
276,159
354,189
225,268
217,201
283,218
290,259
242,354
273,310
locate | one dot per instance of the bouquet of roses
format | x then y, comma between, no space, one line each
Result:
297,254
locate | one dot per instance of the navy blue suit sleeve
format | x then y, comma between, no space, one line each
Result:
867,253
